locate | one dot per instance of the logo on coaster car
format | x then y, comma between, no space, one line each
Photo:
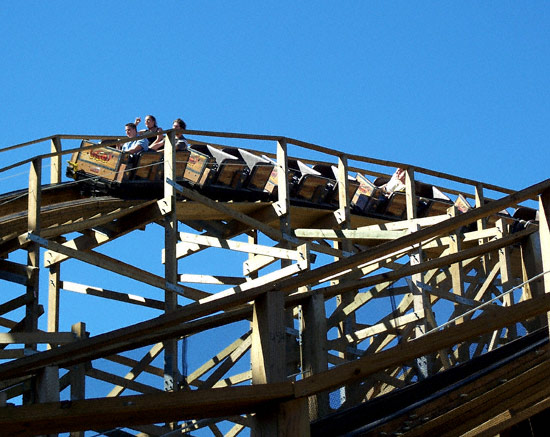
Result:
100,155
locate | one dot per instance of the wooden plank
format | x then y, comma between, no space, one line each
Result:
77,373
457,278
55,160
117,266
544,232
170,222
15,303
234,380
120,381
211,279
239,246
36,337
114,295
139,409
9,354
54,284
260,281
410,193
14,272
33,250
125,361
343,234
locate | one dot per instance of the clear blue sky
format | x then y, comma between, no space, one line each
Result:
458,87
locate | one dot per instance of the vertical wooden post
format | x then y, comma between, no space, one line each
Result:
315,354
506,273
78,373
48,384
267,354
170,264
421,307
343,213
55,170
293,418
54,271
410,192
347,325
544,231
53,298
457,278
481,224
531,264
33,251
282,206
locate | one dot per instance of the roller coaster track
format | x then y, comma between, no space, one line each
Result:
328,314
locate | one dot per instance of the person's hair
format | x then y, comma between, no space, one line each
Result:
132,125
180,123
152,117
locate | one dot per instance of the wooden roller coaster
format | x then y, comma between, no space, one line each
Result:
316,303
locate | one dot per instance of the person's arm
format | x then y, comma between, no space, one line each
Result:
139,146
158,144
160,136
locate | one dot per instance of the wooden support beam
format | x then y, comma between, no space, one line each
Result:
33,250
457,277
56,164
138,369
506,276
349,234
14,272
113,295
117,266
238,246
54,285
77,373
544,232
36,337
410,193
172,374
138,409
268,353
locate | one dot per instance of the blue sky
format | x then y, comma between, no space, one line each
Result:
457,87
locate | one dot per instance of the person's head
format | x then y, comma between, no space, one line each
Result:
131,130
150,121
178,124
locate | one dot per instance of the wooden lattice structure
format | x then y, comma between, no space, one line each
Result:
329,309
